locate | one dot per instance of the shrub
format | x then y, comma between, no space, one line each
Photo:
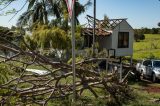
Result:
139,37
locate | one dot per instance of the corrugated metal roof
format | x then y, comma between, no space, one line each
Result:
98,32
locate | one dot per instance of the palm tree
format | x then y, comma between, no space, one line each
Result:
39,10
81,9
36,13
59,8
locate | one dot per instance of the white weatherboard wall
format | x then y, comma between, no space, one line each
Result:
123,27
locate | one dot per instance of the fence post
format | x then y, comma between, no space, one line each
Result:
131,61
107,61
120,72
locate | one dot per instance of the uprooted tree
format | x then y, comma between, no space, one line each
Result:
23,87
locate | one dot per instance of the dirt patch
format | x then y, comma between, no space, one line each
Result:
152,89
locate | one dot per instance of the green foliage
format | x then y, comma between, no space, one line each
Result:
79,39
8,12
142,31
88,52
10,35
80,8
5,32
36,12
44,37
41,10
31,3
33,45
4,2
155,31
4,73
78,59
138,37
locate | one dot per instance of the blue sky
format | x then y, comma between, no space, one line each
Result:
140,13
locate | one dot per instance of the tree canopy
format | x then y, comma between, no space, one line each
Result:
42,10
50,37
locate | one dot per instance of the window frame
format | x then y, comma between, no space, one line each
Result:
147,63
121,41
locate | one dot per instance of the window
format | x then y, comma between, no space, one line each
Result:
88,41
156,63
147,63
123,40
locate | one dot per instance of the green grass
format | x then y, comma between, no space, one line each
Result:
148,48
144,98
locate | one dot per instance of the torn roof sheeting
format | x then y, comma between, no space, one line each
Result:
102,26
98,32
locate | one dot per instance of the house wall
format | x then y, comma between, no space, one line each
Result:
105,42
123,27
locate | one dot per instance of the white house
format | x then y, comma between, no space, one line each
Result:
115,35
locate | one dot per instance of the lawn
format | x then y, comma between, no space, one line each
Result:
147,93
148,48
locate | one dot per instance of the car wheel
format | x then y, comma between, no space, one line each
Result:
154,79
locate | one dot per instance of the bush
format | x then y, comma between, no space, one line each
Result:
139,37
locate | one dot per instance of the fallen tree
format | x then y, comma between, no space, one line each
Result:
29,88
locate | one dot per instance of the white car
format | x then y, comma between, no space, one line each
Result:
150,69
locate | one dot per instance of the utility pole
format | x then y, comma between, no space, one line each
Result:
73,52
94,25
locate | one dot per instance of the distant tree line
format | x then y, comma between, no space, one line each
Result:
139,33
147,31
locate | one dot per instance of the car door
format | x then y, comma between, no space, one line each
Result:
149,68
144,67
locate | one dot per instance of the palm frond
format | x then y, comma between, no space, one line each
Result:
31,4
88,4
24,18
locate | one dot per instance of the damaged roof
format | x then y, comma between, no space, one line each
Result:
98,32
102,27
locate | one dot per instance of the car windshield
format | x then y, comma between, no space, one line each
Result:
156,63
